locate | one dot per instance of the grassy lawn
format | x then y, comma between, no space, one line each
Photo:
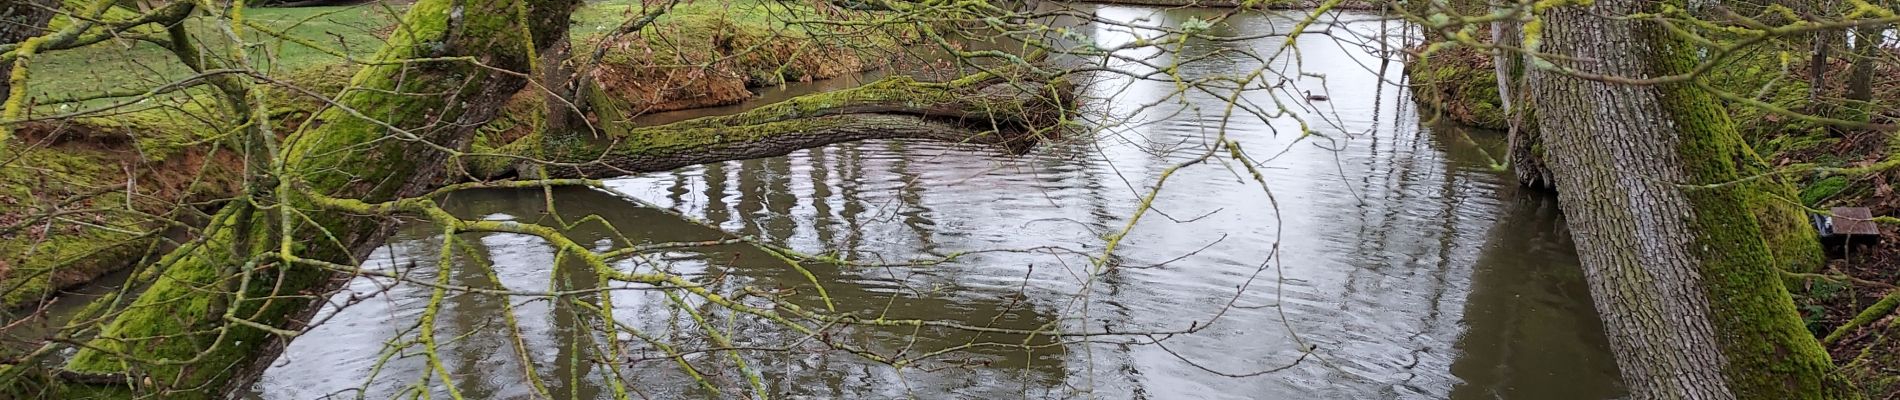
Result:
358,30
135,65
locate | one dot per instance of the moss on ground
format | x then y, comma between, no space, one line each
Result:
1822,190
1461,84
78,172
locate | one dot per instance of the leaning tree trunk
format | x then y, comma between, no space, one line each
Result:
197,327
1682,272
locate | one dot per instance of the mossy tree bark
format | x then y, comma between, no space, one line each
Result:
981,109
191,332
1684,275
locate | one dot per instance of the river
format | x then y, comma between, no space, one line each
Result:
1410,267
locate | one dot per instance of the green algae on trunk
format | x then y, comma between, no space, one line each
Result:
1460,83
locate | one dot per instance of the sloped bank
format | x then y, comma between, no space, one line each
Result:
88,197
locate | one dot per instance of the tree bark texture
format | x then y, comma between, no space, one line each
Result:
1820,47
1526,161
1684,275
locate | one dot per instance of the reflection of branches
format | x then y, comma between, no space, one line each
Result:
992,42
776,308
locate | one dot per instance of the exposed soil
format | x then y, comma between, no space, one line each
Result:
1446,84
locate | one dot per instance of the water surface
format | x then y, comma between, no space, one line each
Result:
1389,247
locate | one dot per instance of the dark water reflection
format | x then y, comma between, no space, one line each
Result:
1412,268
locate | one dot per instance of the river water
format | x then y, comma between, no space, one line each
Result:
1410,267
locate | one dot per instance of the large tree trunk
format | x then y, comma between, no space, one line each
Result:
1684,277
194,329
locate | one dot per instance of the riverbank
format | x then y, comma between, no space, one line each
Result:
1850,302
86,198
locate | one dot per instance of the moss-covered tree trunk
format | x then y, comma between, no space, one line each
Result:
1683,274
981,109
196,327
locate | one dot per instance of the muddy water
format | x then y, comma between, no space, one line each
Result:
1389,247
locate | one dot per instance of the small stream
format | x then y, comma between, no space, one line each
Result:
1390,246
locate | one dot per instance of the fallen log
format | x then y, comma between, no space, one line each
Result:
1010,114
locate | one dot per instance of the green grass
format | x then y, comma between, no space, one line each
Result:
135,65
358,30
691,17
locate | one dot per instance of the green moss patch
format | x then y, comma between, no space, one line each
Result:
1461,84
85,197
